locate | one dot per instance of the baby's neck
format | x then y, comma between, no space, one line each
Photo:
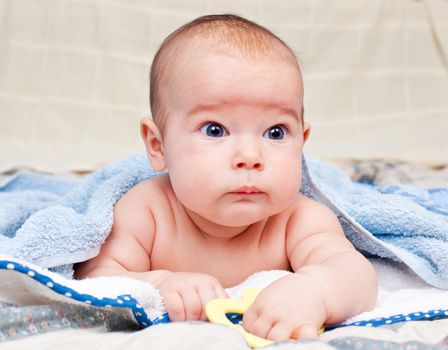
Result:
218,233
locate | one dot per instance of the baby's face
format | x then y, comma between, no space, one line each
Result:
234,138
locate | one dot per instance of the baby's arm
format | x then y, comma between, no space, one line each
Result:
127,252
332,281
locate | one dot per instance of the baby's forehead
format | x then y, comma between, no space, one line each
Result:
188,54
237,37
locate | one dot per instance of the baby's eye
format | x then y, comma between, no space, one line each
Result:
214,130
276,132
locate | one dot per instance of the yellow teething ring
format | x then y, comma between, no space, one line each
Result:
217,310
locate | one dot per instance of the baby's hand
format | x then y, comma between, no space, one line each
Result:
186,294
292,307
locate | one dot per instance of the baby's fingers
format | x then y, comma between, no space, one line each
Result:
220,292
283,330
280,331
277,328
174,305
256,324
306,331
192,304
207,294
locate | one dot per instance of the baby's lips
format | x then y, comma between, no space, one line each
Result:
247,190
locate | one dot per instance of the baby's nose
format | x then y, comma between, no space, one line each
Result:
248,156
250,165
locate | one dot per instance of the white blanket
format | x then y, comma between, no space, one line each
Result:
402,295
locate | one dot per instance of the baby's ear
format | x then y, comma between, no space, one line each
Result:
153,142
306,131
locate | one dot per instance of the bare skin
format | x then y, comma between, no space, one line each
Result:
167,260
229,206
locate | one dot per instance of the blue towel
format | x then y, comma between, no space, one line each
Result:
55,222
397,222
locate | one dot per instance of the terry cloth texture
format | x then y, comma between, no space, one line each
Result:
402,297
56,222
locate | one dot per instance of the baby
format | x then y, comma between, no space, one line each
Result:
227,105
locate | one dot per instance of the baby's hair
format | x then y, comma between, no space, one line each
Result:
222,31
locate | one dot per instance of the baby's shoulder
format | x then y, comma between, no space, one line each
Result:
148,190
138,209
147,197
307,205
310,214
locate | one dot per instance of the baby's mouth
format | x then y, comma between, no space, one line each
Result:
247,190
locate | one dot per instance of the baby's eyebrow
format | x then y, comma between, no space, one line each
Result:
287,111
216,106
204,108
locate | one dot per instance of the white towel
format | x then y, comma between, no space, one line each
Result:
402,295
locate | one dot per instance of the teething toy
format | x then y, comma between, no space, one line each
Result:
217,310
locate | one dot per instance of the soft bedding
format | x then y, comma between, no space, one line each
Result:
401,298
77,328
396,281
193,336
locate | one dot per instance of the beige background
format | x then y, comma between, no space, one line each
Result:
74,75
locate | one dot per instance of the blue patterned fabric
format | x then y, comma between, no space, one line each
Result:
140,316
237,318
122,301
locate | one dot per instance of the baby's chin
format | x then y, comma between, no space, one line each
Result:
238,222
240,217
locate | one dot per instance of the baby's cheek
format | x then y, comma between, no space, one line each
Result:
191,182
288,183
290,172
